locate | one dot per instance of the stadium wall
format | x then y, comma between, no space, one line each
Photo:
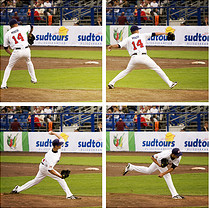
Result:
193,36
157,141
88,36
79,142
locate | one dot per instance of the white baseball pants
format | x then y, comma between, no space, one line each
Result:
42,173
16,55
152,168
142,59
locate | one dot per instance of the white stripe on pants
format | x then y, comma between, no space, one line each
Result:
152,168
142,59
42,173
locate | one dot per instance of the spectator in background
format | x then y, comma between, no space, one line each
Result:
126,4
154,4
205,127
99,21
109,116
116,5
3,11
17,18
9,4
120,125
122,20
99,127
116,111
19,3
9,110
135,119
135,14
15,126
109,11
47,4
205,22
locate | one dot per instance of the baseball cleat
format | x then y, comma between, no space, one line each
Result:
3,88
126,169
111,86
173,85
73,197
14,191
33,82
178,197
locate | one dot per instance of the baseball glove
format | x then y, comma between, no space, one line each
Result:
164,162
171,36
65,173
31,39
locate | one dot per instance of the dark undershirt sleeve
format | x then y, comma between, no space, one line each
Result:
153,34
119,46
173,166
6,48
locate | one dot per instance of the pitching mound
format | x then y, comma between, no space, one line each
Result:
26,200
136,200
16,94
120,94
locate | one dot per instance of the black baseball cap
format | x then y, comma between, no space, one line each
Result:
13,22
56,142
177,152
134,28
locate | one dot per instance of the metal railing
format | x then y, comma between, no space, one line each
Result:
166,121
166,14
29,123
29,16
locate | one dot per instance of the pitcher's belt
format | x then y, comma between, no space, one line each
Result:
137,54
20,48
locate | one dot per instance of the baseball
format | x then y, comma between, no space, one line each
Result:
50,132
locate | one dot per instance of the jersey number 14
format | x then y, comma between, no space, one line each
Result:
139,43
19,37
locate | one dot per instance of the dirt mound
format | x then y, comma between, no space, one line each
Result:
26,200
136,200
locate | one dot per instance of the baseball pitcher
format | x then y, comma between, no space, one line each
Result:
17,39
136,47
160,162
46,168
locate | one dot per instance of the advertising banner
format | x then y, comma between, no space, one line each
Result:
120,141
14,141
75,142
68,36
157,141
186,141
195,36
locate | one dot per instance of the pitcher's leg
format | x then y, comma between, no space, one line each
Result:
12,60
124,72
142,169
39,177
169,181
152,65
62,183
30,65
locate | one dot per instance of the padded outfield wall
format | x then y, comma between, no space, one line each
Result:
157,141
192,36
79,142
87,36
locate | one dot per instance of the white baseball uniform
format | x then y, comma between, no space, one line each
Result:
153,167
17,39
136,47
50,160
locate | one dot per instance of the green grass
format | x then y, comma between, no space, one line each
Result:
91,55
186,184
146,159
79,184
89,78
188,78
90,161
197,55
